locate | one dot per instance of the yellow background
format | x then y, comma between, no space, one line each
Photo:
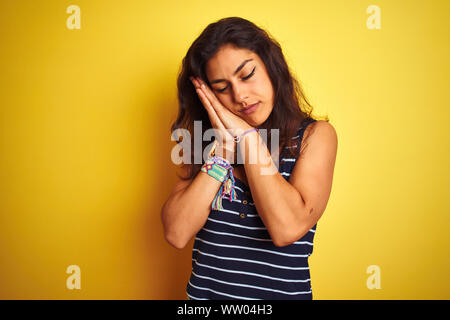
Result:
85,142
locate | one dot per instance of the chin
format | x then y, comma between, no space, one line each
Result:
255,123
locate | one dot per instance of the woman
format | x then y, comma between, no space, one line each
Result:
253,230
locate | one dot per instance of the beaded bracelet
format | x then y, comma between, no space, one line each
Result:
221,170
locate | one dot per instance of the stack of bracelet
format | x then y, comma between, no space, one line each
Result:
221,169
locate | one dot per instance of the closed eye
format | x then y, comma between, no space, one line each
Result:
244,78
250,75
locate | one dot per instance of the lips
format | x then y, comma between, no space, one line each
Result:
250,108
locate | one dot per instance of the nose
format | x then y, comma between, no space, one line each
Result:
239,96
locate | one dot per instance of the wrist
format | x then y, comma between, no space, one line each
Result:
247,135
226,151
249,142
241,136
221,170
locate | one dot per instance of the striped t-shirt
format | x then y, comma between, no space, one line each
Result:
234,257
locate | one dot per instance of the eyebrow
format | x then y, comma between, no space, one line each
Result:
236,71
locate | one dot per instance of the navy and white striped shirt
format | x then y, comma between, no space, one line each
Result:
234,257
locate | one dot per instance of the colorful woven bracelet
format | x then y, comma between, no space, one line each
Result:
221,170
217,168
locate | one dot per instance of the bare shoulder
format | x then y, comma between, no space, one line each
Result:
320,133
322,128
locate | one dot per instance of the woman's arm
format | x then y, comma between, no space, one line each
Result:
186,210
290,209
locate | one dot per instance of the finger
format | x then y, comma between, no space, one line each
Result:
199,84
222,112
210,95
195,82
216,121
200,94
221,132
215,103
211,112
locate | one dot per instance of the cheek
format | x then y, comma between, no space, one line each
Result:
264,87
225,100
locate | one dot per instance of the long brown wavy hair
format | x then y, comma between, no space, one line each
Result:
291,108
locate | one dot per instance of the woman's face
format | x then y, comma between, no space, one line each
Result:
239,79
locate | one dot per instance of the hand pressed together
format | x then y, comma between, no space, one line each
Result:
226,124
